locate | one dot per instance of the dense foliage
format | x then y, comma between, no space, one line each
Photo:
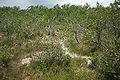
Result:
91,31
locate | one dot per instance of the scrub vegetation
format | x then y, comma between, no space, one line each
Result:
35,33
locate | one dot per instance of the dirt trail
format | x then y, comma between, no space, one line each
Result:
74,55
65,49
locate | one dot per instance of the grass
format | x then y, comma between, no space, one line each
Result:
77,48
69,69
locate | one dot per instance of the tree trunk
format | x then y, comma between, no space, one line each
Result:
76,37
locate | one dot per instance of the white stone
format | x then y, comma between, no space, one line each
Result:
26,61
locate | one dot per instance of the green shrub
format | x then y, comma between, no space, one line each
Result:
108,65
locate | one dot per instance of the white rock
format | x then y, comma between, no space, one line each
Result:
26,61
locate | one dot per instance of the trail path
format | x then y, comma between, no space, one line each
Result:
65,49
74,55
